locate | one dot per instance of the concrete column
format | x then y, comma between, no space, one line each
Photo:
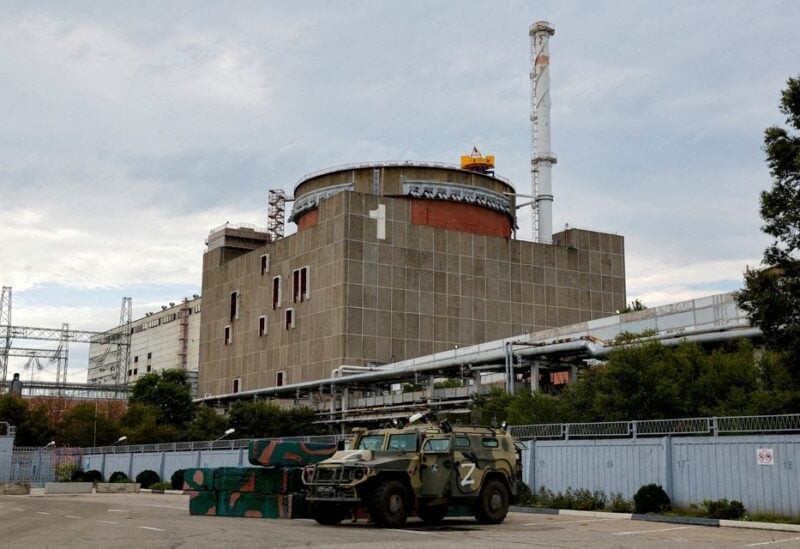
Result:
573,374
161,466
333,402
535,377
477,380
430,389
345,398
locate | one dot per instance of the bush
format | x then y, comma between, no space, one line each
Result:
651,498
65,470
161,486
524,494
589,501
147,478
93,475
76,476
723,509
118,476
176,480
619,504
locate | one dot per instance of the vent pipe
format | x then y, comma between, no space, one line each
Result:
542,159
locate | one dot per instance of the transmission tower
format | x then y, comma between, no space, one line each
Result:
61,355
5,320
276,213
124,341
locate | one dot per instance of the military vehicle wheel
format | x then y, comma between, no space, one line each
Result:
389,504
327,513
432,514
492,505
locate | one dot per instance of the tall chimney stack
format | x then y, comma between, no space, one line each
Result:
542,159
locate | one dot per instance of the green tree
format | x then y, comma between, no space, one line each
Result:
771,296
207,425
635,305
264,419
79,425
650,381
168,391
142,424
13,410
38,430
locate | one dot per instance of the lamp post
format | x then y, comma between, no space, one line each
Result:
226,433
42,449
120,439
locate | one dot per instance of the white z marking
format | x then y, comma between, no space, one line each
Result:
468,480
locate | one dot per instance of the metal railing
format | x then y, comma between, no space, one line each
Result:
786,423
234,444
391,163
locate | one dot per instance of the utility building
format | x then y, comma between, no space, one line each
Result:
167,339
390,261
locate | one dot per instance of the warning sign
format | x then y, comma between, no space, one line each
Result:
764,456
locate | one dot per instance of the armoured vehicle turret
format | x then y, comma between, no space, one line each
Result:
421,467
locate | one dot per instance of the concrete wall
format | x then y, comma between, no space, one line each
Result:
691,469
6,448
163,463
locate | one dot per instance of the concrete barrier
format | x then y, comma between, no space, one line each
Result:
15,488
68,487
117,487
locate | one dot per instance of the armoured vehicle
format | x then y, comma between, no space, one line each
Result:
422,467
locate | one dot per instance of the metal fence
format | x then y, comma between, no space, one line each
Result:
36,464
761,470
786,423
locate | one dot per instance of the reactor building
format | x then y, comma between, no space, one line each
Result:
390,261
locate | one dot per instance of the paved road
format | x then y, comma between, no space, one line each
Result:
155,520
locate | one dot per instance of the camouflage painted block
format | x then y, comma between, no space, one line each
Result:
241,504
258,479
288,506
275,453
203,503
198,479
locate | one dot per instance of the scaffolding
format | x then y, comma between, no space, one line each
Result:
183,333
276,213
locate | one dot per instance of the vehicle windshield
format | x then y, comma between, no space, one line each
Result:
407,442
370,442
437,445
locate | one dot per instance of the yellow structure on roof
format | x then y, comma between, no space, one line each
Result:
476,162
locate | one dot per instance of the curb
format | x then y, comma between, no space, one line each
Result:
661,518
151,491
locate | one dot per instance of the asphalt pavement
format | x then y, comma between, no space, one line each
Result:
163,520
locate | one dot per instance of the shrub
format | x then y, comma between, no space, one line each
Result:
586,500
65,470
619,504
147,478
118,476
724,509
161,486
524,494
651,498
176,480
93,475
76,476
563,501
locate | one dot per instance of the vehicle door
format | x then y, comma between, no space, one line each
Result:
436,465
468,466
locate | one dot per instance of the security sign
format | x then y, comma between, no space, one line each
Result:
764,456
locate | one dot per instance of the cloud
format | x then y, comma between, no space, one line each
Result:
129,132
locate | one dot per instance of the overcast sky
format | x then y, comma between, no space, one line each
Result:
129,130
